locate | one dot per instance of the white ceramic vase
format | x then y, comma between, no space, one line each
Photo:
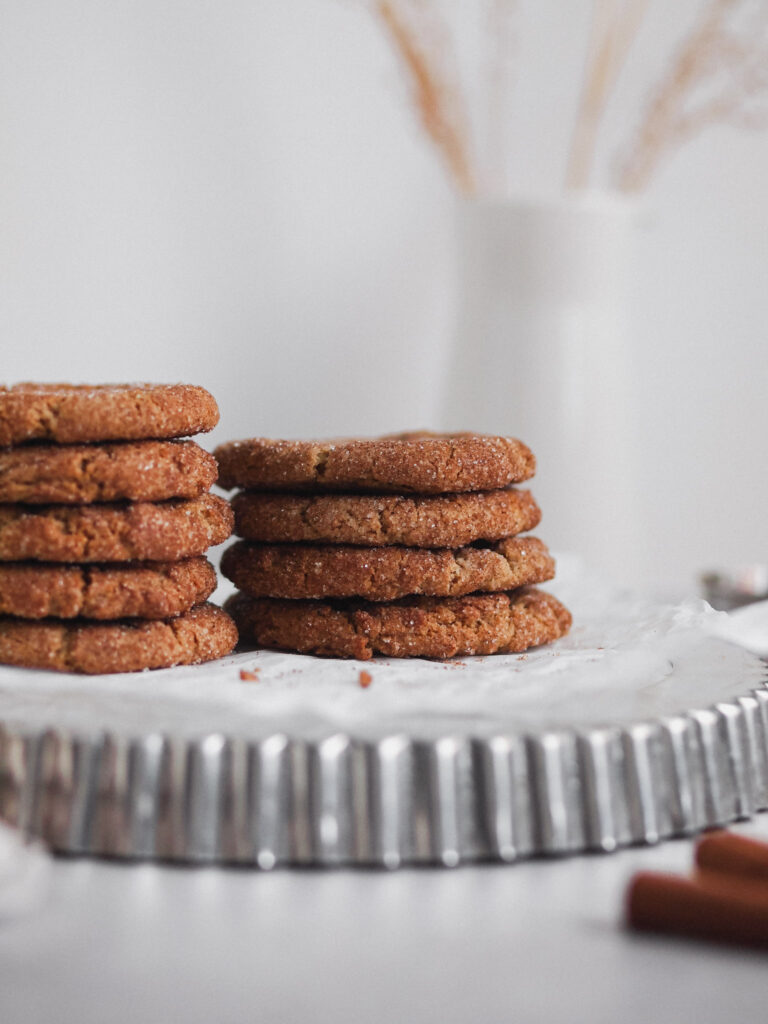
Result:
542,352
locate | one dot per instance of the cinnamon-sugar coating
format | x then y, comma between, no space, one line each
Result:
434,521
201,634
71,413
428,627
385,573
146,590
121,471
141,531
421,463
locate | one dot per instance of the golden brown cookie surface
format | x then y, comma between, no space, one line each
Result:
141,531
157,590
71,413
384,574
128,470
436,521
201,634
426,627
418,463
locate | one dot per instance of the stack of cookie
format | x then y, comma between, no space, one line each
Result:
104,523
401,546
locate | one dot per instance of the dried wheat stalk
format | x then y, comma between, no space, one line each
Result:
430,67
717,74
613,28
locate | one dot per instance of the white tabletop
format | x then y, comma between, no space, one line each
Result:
535,941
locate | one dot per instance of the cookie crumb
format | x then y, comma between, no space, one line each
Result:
365,679
249,677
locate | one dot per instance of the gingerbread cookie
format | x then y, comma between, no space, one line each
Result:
70,413
114,533
438,521
425,627
155,590
386,573
202,634
421,463
128,470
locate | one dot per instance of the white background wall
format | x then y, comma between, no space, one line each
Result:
236,194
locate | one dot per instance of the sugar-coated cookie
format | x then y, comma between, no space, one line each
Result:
386,573
120,471
70,413
427,627
145,590
420,463
434,521
201,634
141,531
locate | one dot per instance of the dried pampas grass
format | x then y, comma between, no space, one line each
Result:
612,31
418,37
717,74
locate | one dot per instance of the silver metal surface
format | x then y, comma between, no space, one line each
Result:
459,794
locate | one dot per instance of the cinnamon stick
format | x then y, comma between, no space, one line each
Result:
731,854
712,906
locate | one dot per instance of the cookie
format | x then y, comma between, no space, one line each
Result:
128,470
70,413
420,462
114,533
416,627
157,590
438,521
386,573
202,634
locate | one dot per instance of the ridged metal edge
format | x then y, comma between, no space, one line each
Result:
396,800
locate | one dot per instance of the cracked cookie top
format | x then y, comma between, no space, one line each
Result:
121,471
201,634
422,521
137,531
143,590
385,573
415,627
70,413
420,463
